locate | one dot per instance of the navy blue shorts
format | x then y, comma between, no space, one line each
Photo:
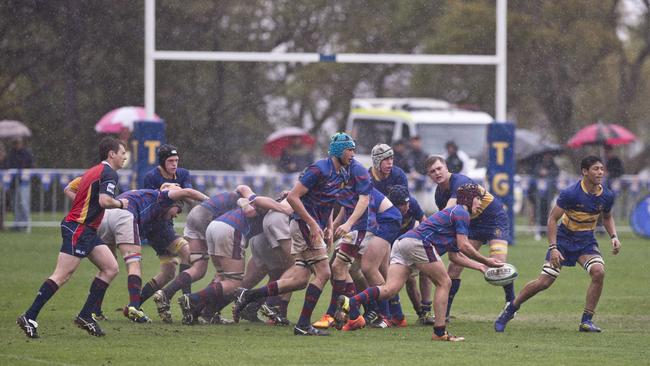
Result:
572,249
388,230
491,227
78,239
160,234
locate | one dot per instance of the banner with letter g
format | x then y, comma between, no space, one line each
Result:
501,167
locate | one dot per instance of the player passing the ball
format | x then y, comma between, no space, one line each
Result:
416,250
577,209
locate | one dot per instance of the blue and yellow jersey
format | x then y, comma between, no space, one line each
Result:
153,179
100,179
489,206
396,177
581,210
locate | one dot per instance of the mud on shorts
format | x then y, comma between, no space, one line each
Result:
412,251
197,223
119,227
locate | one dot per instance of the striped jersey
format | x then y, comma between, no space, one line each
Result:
147,205
441,228
247,226
100,179
220,203
357,184
489,206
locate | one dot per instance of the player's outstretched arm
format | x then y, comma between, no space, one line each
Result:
462,260
268,203
187,193
467,249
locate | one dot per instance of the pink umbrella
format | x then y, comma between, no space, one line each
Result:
281,139
601,134
118,119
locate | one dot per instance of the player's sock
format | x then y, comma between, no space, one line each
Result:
148,290
509,291
425,306
212,292
311,298
270,289
384,308
134,284
283,306
338,288
186,287
364,297
182,281
350,289
95,297
395,308
439,331
587,315
455,286
45,293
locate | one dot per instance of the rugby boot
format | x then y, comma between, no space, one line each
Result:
309,330
240,303
99,316
136,315
273,315
29,326
398,323
163,306
446,338
327,321
506,315
89,325
425,318
189,310
588,326
354,324
375,320
249,312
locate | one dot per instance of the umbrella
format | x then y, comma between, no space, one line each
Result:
279,140
601,134
13,129
120,118
529,144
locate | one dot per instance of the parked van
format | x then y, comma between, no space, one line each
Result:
385,120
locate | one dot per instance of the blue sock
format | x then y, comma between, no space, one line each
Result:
395,308
311,299
338,288
509,291
45,293
587,315
95,297
455,286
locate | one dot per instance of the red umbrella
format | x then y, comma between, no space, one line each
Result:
601,134
117,119
282,138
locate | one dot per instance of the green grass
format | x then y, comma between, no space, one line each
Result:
544,331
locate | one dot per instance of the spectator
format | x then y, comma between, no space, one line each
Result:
417,155
20,158
296,156
542,189
454,163
400,155
3,193
613,166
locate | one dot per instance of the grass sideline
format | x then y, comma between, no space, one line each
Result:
544,331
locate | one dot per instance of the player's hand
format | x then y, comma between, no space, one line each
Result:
342,230
494,263
328,237
315,234
125,203
616,246
556,258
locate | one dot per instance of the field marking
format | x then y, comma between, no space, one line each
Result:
31,359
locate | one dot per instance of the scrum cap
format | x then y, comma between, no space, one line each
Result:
379,153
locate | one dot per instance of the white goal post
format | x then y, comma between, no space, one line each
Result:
499,59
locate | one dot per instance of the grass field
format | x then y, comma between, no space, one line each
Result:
544,331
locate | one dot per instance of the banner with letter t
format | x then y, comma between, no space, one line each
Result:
501,167
147,138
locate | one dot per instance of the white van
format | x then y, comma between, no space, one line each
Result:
385,120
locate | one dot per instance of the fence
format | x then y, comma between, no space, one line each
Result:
44,191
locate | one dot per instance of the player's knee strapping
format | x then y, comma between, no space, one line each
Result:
169,259
132,257
498,249
177,245
198,256
592,262
235,276
548,270
344,257
309,263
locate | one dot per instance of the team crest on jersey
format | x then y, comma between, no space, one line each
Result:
497,233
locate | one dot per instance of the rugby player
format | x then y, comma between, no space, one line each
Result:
578,208
80,240
415,250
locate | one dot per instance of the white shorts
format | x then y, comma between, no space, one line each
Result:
224,241
276,228
301,247
118,227
265,255
411,251
197,223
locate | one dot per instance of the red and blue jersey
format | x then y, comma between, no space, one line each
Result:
100,179
220,203
324,184
147,205
153,179
414,213
581,211
247,226
441,228
357,185
396,177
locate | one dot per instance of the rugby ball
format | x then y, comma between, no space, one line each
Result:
501,276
